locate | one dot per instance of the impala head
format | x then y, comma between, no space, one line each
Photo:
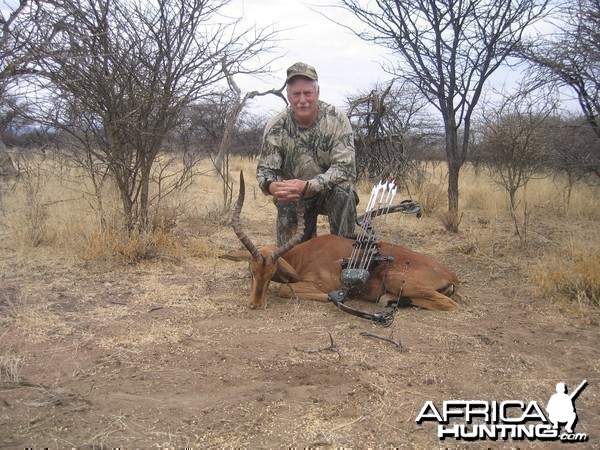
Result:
266,263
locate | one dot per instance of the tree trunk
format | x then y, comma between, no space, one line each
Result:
454,164
7,168
452,218
120,177
145,196
127,209
453,173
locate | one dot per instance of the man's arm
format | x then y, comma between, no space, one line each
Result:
269,171
269,168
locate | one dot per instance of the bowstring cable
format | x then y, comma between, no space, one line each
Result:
392,189
367,253
365,224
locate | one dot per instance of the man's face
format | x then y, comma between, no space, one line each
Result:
303,98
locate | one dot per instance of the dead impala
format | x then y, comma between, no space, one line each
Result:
314,268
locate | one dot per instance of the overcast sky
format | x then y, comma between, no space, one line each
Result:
345,64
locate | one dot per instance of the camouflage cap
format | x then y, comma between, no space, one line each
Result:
301,69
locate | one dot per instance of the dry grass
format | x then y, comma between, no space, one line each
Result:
31,318
10,368
164,350
53,206
130,247
571,274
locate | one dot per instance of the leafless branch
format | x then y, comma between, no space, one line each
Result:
330,348
389,339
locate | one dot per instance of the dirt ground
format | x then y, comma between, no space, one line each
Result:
166,354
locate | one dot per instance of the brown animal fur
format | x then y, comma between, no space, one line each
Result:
314,268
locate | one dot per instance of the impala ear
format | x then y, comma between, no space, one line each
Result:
285,273
240,255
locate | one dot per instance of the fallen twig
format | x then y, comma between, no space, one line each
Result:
21,383
114,302
330,348
397,343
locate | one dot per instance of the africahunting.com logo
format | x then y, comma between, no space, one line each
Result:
509,419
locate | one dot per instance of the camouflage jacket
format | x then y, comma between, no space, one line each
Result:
322,154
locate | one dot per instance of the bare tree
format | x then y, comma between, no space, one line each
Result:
204,121
15,31
390,126
572,152
571,58
515,147
448,49
120,73
249,135
221,161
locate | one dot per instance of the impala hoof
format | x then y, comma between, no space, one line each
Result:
256,306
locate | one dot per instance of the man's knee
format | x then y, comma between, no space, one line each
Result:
341,197
341,210
287,222
345,190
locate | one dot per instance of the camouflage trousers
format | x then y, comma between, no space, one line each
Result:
339,204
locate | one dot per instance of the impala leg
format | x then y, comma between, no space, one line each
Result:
303,290
387,299
435,301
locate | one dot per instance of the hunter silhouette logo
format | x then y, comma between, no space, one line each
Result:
561,408
509,419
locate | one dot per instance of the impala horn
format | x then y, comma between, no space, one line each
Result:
235,222
243,237
295,240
